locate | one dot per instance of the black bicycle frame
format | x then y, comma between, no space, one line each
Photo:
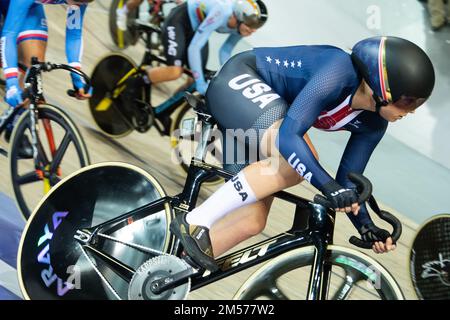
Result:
163,111
34,92
6,119
313,225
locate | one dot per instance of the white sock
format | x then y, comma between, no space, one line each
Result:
232,195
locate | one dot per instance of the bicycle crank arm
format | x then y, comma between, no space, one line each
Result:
170,282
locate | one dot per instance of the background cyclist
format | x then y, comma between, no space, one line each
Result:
293,89
24,35
130,5
187,30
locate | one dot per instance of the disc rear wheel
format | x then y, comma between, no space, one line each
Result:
108,105
52,264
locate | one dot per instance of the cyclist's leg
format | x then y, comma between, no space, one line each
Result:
242,123
195,236
239,226
225,103
133,4
121,13
3,12
32,39
244,222
176,35
249,122
248,221
27,50
32,42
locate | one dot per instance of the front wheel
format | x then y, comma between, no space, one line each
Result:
52,265
354,275
61,151
429,259
122,39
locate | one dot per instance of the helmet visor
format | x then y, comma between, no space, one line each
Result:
409,103
254,21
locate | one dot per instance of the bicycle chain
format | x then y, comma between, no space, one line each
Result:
129,244
100,274
134,245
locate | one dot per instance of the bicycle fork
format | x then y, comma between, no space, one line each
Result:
5,119
322,225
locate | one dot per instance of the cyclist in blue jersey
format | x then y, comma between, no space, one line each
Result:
24,35
278,94
188,27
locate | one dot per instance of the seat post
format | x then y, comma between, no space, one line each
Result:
200,152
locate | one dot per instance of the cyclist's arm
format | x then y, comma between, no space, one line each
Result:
355,158
74,40
74,43
228,46
15,18
325,88
213,21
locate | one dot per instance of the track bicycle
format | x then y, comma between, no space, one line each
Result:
57,147
103,233
121,102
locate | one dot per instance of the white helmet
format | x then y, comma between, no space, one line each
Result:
252,13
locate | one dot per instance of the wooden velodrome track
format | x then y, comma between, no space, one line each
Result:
152,153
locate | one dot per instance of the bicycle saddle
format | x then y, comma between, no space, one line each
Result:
146,27
197,103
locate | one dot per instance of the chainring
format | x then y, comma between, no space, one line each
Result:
154,269
142,118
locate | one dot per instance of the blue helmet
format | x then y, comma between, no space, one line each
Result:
394,68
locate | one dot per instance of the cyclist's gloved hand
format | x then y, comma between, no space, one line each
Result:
381,239
80,86
13,92
342,199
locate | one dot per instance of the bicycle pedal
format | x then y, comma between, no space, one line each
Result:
190,261
143,117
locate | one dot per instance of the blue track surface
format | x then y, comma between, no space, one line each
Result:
11,226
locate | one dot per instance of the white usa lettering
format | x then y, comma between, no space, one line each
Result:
299,167
253,89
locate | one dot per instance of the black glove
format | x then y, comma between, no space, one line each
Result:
371,233
338,195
